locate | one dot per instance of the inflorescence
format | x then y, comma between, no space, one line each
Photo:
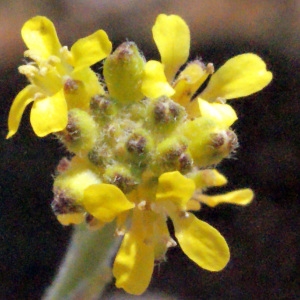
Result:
144,144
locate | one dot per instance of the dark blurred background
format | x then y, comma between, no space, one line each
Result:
263,237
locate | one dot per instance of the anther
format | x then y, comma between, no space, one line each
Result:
171,243
143,205
183,214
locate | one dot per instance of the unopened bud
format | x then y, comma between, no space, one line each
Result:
72,182
139,143
185,163
65,208
208,144
63,165
120,177
171,155
166,111
136,144
123,72
80,133
101,154
102,106
224,142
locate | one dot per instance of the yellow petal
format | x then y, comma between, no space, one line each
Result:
154,81
193,205
134,262
240,76
176,188
172,38
68,219
39,34
201,242
17,109
192,109
49,114
133,265
87,85
208,178
223,114
105,201
239,197
91,49
188,82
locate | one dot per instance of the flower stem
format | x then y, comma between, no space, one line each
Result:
85,270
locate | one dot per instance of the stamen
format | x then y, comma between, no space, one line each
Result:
210,69
171,243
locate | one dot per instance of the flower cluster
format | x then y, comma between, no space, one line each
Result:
145,143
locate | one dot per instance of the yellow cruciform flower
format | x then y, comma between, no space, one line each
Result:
148,239
240,76
60,79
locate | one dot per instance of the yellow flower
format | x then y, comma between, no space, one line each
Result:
142,214
148,239
59,79
240,76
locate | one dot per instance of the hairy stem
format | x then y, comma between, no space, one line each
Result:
85,270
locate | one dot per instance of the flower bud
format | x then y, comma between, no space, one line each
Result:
66,209
121,177
208,144
68,191
101,154
171,155
102,107
123,72
73,181
80,133
138,145
166,113
224,142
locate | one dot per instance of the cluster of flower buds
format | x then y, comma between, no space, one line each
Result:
144,144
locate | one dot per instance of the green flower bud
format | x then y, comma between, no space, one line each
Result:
166,114
69,188
139,143
224,142
62,204
121,177
171,155
80,133
123,72
75,179
101,155
102,107
139,146
208,144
